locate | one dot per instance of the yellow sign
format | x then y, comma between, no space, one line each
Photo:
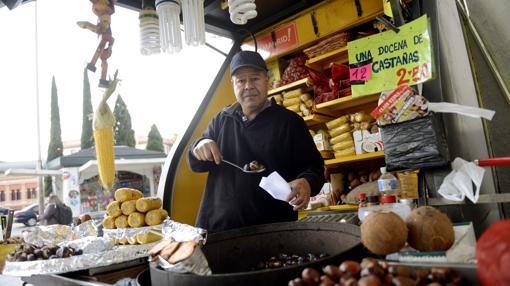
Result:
402,58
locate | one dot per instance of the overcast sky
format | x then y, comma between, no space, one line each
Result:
162,89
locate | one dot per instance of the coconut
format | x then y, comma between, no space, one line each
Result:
429,230
383,232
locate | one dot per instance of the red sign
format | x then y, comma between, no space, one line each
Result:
280,40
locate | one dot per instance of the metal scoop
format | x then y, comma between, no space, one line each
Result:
246,168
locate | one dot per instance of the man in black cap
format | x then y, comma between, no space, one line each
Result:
254,129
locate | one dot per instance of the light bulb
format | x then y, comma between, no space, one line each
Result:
169,24
149,31
193,18
241,11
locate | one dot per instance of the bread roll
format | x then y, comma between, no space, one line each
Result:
148,237
146,204
346,127
292,93
128,207
345,152
136,219
343,145
127,194
108,222
155,217
121,221
337,122
342,137
113,209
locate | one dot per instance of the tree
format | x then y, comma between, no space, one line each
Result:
87,138
155,141
55,148
124,135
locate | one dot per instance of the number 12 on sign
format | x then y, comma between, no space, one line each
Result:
361,73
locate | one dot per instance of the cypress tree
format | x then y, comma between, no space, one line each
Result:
124,135
155,141
55,148
87,138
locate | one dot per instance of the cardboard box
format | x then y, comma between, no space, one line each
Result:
366,142
321,142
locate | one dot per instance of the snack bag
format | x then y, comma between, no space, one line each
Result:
400,105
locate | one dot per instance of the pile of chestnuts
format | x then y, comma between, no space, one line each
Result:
371,272
30,252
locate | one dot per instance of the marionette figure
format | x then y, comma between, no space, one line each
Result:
103,9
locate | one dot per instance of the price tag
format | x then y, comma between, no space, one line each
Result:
360,73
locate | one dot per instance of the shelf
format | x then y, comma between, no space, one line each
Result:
354,158
302,82
331,107
324,61
315,119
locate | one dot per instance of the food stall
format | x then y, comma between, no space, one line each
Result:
326,58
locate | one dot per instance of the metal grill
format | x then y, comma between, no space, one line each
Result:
350,217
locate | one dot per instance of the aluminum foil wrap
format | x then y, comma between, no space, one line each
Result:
85,229
196,264
116,255
183,232
48,235
91,244
129,233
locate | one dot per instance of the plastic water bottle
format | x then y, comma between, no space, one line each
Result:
388,184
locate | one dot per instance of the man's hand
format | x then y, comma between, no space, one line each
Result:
300,194
208,150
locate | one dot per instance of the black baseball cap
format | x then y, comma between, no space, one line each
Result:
247,59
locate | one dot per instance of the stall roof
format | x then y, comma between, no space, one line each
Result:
217,19
81,157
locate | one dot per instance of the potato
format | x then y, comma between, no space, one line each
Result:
108,222
127,194
121,221
136,219
146,204
155,217
113,209
128,207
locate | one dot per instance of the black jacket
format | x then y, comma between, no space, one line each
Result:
278,139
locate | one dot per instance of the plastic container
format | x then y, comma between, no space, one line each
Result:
400,209
388,184
149,31
170,25
408,184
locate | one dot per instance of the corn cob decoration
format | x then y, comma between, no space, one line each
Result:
104,122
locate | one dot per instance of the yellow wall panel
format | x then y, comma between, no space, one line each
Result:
342,15
189,186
